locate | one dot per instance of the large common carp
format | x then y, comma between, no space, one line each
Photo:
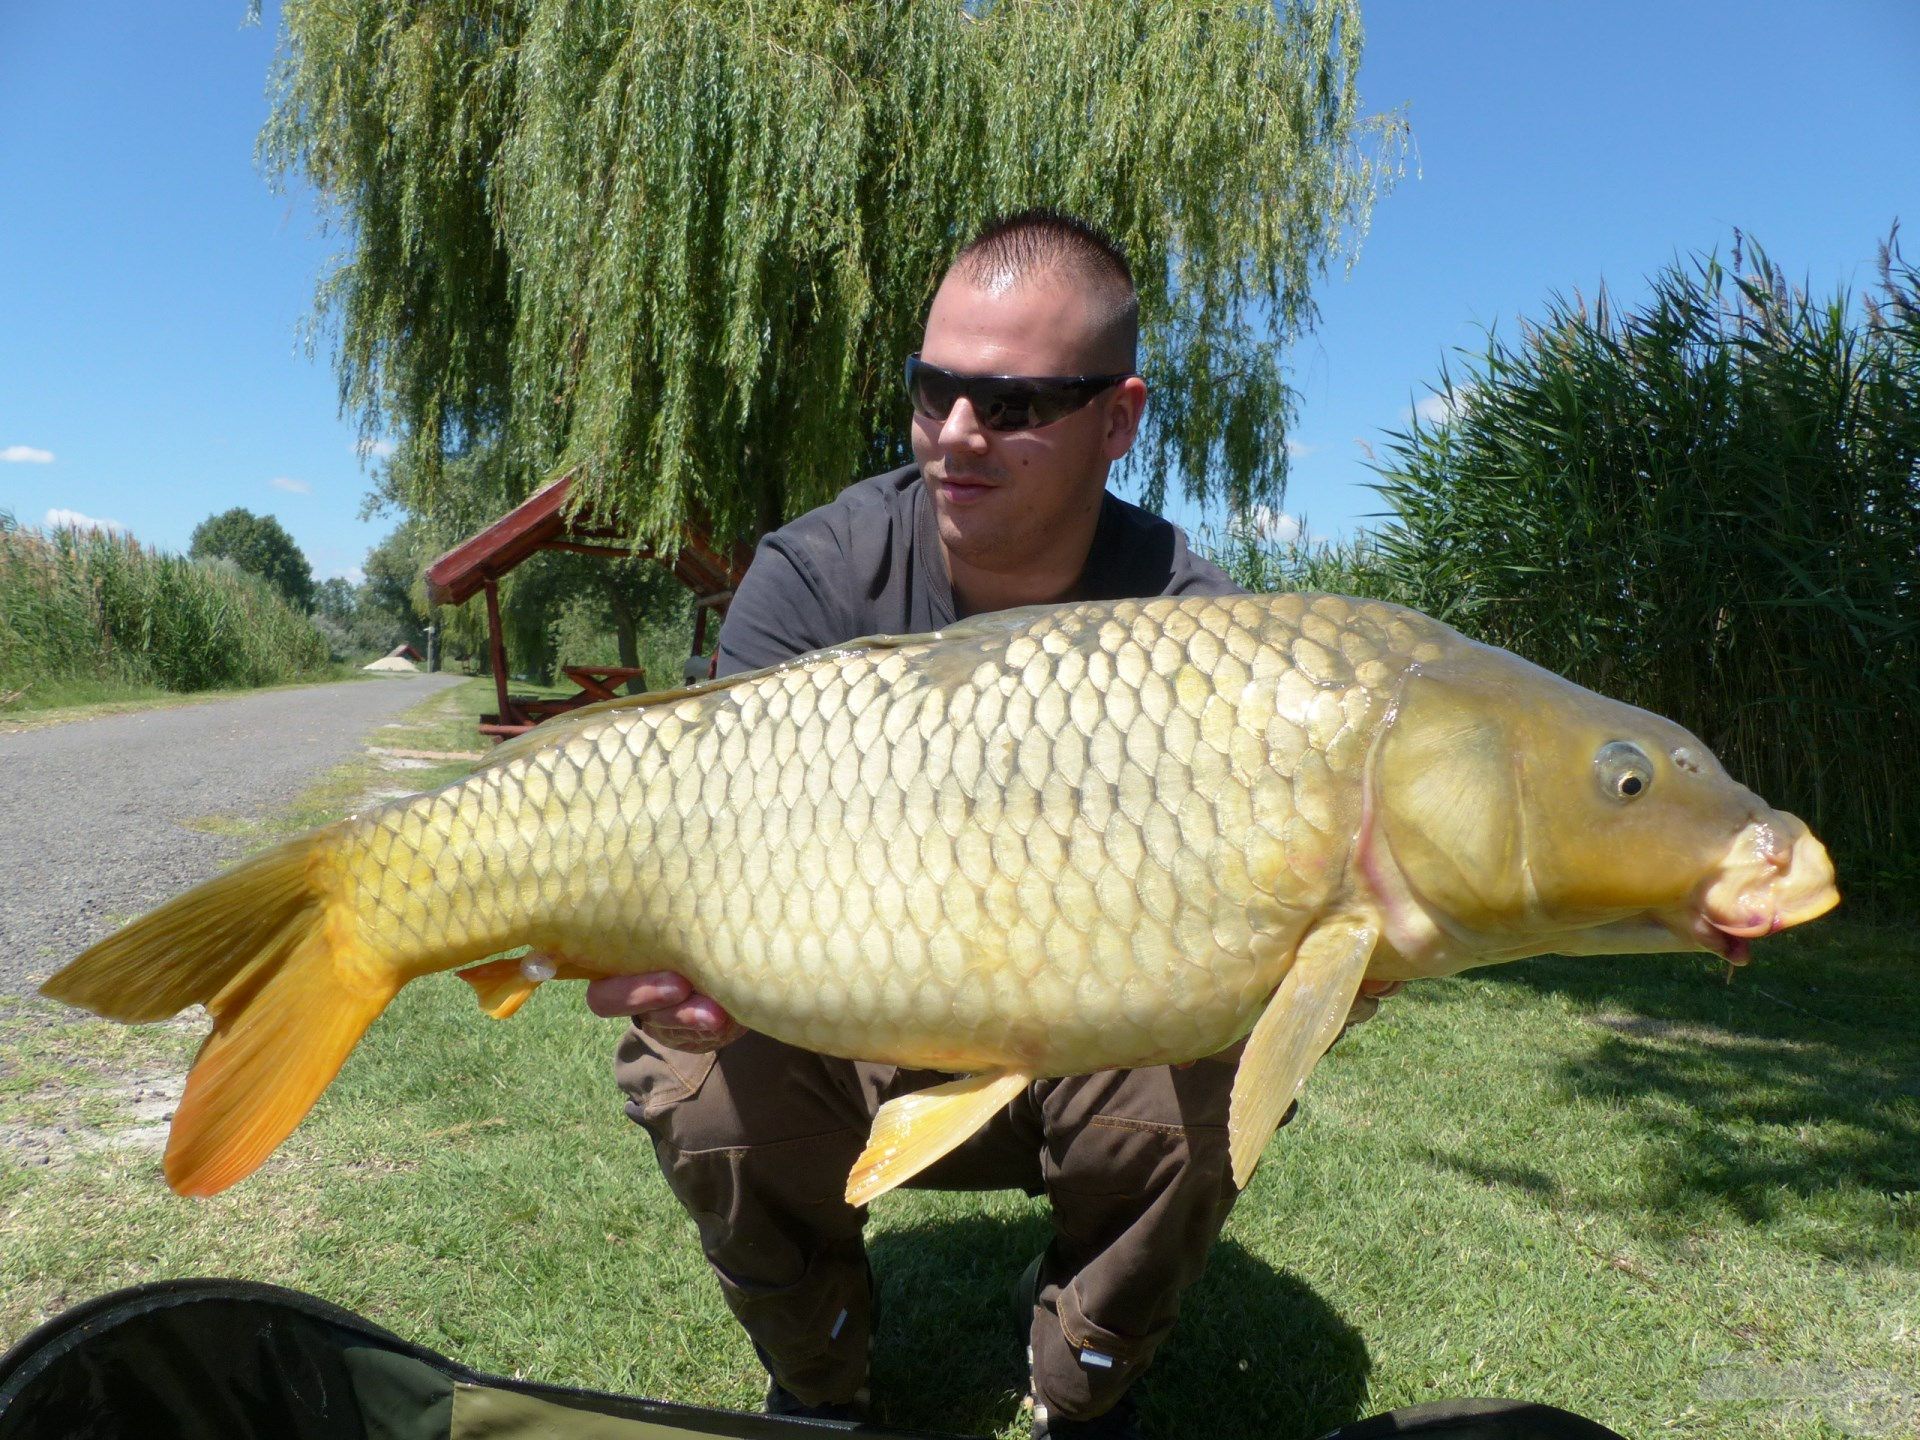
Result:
1041,842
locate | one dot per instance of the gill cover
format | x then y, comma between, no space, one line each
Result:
1520,813
1446,790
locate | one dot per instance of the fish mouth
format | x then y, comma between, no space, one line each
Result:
1734,948
1774,876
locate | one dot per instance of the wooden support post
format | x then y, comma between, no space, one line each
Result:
497,652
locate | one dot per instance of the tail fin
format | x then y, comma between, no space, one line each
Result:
262,947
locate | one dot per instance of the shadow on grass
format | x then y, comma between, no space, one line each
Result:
1794,1088
1256,1352
1492,1172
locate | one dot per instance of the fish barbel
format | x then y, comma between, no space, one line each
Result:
1041,842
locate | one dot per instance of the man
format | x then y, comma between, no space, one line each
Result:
1006,505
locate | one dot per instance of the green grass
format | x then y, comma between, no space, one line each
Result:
1622,1186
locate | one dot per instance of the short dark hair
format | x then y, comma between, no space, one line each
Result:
1041,241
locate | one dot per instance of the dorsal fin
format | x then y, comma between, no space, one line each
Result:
565,726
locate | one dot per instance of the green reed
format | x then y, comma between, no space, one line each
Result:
1265,561
1708,505
92,606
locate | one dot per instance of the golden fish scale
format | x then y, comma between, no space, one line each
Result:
1078,838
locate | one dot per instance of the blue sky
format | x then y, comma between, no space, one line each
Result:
153,289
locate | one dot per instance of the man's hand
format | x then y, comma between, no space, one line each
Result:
666,1007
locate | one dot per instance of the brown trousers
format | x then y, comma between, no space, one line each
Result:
757,1138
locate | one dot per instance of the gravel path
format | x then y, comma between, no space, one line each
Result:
91,810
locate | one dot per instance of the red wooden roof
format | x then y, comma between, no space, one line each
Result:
540,523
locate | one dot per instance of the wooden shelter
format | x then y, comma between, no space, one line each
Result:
477,564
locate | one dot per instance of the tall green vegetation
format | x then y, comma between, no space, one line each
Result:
101,610
1708,505
1265,558
684,247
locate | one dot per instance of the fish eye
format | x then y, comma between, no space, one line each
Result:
1623,769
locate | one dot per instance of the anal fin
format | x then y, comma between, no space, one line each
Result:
913,1131
1301,1020
503,986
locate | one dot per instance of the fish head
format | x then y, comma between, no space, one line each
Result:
1511,812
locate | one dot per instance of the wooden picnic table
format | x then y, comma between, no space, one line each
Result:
597,682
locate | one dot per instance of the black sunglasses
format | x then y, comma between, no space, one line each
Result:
1003,402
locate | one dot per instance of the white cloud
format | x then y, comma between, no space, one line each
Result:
74,520
1276,525
1298,451
1438,409
373,449
26,455
290,485
353,575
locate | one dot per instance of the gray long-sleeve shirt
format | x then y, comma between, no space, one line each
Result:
869,563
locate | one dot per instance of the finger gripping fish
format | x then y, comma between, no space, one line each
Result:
1041,842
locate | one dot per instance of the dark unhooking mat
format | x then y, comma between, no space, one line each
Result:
232,1360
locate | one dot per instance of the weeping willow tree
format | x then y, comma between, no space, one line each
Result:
681,248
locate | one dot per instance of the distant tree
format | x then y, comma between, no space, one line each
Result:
333,598
682,248
260,545
335,613
619,599
391,571
390,604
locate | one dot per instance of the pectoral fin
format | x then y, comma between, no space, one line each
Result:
1300,1022
915,1130
503,986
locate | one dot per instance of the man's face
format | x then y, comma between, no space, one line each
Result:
1004,499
